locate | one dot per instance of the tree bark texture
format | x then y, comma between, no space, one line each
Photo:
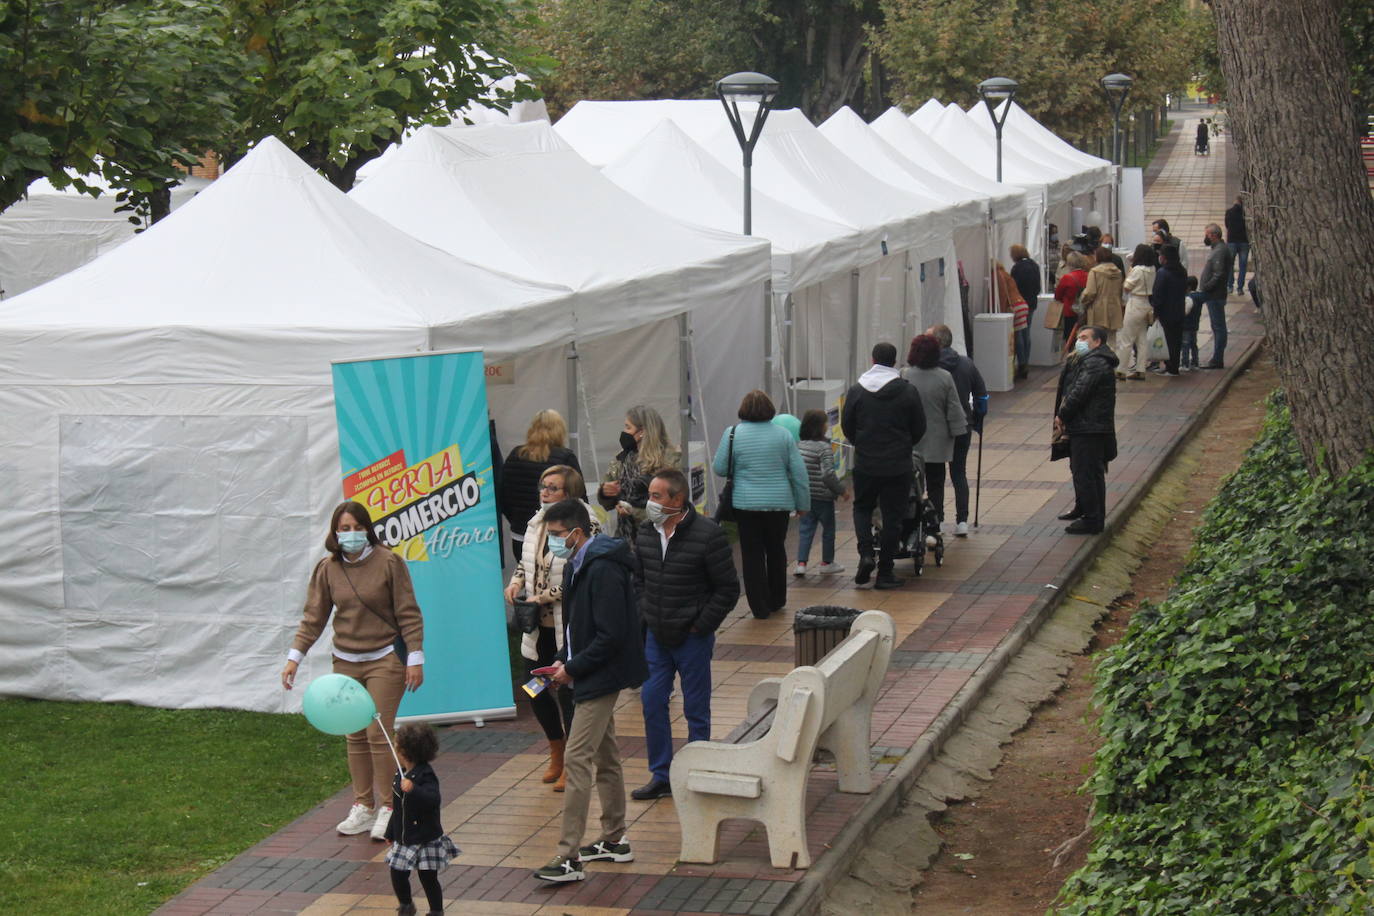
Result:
1309,214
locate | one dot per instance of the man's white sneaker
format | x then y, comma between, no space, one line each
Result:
379,825
799,569
961,530
359,820
829,569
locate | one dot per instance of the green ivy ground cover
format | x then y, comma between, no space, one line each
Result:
1236,774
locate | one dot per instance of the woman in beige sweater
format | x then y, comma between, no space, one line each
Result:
1102,295
367,587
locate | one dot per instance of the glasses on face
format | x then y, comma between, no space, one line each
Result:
550,488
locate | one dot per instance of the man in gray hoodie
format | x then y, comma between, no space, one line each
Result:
883,420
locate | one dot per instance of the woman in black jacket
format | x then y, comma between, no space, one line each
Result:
1167,299
1026,273
415,833
546,445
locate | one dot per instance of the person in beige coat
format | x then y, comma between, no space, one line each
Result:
1102,295
1134,334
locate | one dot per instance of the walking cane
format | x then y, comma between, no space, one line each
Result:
978,487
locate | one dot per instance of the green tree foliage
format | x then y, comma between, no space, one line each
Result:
652,49
339,80
130,90
1238,754
1057,50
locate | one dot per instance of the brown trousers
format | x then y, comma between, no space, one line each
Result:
591,746
369,758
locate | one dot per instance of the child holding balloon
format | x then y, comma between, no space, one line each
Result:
416,836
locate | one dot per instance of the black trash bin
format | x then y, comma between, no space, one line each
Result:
816,630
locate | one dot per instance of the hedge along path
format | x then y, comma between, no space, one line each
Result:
896,857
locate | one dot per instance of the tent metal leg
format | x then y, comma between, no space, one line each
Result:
768,365
853,327
684,395
574,436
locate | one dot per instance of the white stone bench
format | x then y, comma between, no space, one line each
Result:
762,775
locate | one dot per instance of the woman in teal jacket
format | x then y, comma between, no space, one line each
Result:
770,484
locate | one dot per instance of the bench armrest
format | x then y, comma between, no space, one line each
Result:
764,695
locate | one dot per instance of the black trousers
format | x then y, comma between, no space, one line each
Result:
763,554
1173,336
935,487
554,706
1088,464
888,493
958,475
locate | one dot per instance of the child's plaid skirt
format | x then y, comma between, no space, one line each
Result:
430,856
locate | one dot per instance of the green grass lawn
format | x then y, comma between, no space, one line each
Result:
113,809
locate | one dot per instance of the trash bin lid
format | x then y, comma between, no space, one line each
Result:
824,617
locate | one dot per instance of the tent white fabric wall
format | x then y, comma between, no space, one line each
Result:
795,164
170,440
519,198
53,231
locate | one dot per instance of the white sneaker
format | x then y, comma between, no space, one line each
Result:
961,530
829,569
799,570
359,820
379,826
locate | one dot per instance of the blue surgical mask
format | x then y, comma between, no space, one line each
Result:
351,541
558,546
1081,348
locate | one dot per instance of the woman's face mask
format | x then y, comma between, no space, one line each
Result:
351,541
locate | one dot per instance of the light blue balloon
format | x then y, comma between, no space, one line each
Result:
336,704
789,423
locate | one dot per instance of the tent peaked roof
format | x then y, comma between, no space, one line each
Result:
1031,145
1021,122
271,244
861,143
926,116
670,171
920,147
517,197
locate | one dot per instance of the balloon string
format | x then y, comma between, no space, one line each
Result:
399,768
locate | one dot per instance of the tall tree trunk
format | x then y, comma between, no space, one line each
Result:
1310,215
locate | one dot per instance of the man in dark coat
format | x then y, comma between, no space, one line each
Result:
1238,240
686,581
1085,410
603,654
883,420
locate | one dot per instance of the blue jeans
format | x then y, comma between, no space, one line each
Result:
1022,344
822,515
1241,251
692,662
1216,313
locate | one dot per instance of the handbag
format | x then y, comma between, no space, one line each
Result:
398,645
725,507
1156,346
526,615
1059,446
1053,315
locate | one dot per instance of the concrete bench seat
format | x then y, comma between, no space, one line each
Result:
760,771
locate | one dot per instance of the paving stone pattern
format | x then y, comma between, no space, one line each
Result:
948,621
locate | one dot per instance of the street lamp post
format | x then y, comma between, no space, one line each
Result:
1116,86
995,91
761,90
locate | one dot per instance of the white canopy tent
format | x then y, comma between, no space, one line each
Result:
976,235
171,440
1007,204
836,321
926,116
52,231
518,198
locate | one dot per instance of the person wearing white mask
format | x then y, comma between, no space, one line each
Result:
685,578
1085,411
378,641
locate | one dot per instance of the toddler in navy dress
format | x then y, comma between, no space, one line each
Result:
417,838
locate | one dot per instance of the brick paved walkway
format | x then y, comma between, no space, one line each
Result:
506,820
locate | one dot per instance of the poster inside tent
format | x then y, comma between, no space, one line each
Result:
416,451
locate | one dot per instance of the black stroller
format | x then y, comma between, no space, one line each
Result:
920,528
1202,146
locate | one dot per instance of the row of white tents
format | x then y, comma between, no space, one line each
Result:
171,440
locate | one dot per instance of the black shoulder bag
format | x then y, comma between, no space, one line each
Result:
398,644
725,508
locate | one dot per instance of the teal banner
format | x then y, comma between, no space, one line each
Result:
415,447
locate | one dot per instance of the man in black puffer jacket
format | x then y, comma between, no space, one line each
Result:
686,581
883,419
1085,409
